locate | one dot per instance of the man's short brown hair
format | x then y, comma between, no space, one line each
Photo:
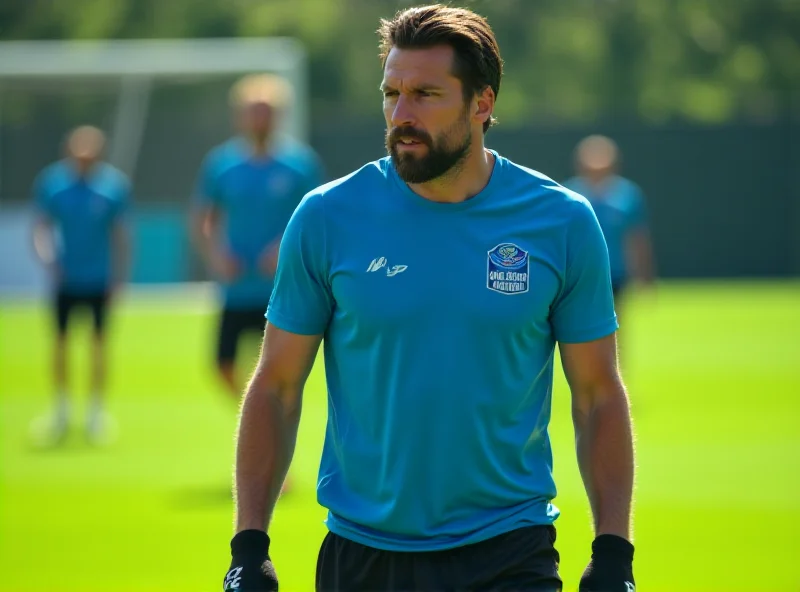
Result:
477,62
261,88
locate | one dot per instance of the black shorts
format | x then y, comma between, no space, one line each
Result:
520,560
66,302
234,322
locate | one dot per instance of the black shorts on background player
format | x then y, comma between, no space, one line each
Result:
523,559
66,302
234,322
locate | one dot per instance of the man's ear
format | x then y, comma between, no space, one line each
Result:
483,105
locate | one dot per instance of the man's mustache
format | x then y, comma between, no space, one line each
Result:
410,133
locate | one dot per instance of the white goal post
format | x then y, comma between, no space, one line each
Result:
137,64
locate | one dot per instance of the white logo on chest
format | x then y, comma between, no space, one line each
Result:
380,263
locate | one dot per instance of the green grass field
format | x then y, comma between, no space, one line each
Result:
714,375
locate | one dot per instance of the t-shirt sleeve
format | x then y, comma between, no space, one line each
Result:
207,187
42,196
302,301
122,203
584,310
637,212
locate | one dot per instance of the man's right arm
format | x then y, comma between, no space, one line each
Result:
43,240
204,228
205,220
205,232
298,315
268,424
42,231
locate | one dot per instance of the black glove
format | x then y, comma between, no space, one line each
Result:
251,568
611,566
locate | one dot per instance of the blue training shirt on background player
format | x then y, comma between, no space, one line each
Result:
257,196
620,210
84,210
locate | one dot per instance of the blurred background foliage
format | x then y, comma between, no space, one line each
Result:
567,61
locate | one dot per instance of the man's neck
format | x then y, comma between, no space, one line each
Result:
83,172
463,182
259,147
599,183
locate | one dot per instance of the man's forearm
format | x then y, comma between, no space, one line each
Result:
605,456
641,257
205,244
204,231
43,243
267,437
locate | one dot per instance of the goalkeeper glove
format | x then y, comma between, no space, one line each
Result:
251,569
611,566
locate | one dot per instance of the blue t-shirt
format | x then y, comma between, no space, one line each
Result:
439,324
620,209
256,197
83,211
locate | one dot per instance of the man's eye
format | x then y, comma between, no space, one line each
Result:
390,93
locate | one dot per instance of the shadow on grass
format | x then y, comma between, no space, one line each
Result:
201,497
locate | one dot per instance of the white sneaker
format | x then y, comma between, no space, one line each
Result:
101,429
49,431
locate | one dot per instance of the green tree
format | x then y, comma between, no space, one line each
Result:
566,60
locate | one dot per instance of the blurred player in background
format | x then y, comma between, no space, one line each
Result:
81,238
248,188
620,209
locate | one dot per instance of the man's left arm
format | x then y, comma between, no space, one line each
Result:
638,243
640,256
120,255
584,324
603,433
120,241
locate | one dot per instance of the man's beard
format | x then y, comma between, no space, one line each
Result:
442,155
